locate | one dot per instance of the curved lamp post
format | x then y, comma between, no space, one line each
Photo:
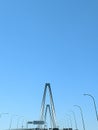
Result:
24,120
3,114
70,120
67,123
94,104
81,115
74,119
11,121
22,123
19,120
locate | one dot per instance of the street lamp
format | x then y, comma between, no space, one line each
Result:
74,119
70,120
3,114
23,122
11,121
81,115
19,120
94,104
67,125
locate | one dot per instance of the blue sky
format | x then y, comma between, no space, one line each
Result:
48,41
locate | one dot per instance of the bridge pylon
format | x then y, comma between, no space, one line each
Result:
50,106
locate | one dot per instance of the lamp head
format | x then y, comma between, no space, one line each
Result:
85,94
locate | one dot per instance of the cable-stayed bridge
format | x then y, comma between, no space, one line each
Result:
41,123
